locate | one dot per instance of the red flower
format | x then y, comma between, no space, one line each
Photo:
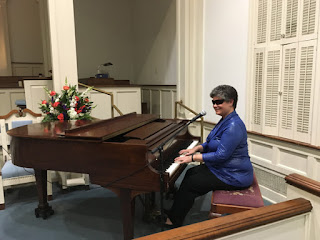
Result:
52,93
44,102
77,98
56,104
66,87
86,99
60,117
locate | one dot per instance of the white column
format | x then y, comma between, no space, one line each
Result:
63,43
190,53
5,58
45,36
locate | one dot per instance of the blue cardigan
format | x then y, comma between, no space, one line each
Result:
225,152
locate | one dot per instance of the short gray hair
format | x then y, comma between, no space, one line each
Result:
225,92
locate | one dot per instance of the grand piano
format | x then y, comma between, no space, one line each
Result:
120,154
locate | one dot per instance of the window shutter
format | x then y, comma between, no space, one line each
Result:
283,69
262,21
291,24
258,84
272,91
309,20
308,16
305,90
276,19
288,90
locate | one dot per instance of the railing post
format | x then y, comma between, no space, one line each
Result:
108,93
190,110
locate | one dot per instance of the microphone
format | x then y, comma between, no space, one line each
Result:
201,114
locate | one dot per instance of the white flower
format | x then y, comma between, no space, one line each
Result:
51,110
72,113
73,103
70,92
85,92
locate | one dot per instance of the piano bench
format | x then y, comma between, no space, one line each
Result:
227,202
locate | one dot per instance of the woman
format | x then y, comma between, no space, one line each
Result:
225,156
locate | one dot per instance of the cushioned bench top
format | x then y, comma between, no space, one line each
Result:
9,170
250,197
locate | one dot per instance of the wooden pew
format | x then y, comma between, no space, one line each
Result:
235,223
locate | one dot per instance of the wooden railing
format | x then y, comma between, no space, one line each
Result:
113,106
190,110
304,183
235,223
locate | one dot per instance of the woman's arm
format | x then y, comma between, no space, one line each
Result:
230,140
187,152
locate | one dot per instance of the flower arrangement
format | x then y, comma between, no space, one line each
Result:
69,105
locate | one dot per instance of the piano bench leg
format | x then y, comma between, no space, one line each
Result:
43,212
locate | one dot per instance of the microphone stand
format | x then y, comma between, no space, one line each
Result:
160,149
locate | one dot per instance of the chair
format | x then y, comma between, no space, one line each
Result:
11,175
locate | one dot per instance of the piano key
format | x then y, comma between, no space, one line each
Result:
174,165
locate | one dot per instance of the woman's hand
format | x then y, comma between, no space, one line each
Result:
183,159
187,152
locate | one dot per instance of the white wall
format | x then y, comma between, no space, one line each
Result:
24,31
154,28
137,36
225,50
104,34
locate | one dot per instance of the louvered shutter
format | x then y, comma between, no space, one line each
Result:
309,20
291,18
289,73
262,21
258,86
305,82
272,85
276,20
284,68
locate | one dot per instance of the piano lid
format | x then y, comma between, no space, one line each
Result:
109,128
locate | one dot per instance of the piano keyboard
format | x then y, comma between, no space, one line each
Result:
173,167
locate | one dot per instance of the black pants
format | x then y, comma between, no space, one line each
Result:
198,181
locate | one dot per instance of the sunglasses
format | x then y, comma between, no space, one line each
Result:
218,102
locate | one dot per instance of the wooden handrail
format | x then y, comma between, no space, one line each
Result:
237,222
304,183
113,106
190,110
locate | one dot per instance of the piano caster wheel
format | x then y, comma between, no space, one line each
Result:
44,212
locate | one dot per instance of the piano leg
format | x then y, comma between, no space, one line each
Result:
43,210
128,207
151,213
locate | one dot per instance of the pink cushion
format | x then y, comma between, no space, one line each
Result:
250,197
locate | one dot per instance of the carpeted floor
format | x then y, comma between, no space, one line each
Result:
79,214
